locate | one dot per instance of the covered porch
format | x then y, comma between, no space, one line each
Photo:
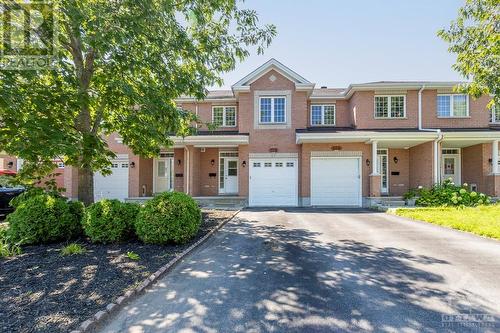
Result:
204,166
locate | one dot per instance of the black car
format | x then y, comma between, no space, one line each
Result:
6,195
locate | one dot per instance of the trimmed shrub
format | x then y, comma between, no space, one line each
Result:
110,221
449,194
44,218
170,217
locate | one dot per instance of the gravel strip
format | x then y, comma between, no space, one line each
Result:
42,291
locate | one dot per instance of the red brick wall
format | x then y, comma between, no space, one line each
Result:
399,185
478,112
421,165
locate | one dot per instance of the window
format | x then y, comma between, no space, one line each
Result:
289,164
224,116
495,114
390,106
278,164
452,105
268,164
60,165
114,165
322,114
272,110
256,165
124,165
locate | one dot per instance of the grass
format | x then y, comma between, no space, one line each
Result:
133,256
72,249
482,220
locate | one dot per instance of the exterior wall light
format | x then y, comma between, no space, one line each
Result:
10,164
244,163
396,160
367,162
132,164
212,162
179,162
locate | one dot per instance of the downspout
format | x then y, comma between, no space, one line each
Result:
436,161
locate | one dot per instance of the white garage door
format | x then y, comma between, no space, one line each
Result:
114,186
273,182
335,181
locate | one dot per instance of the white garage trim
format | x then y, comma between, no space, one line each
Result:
359,200
116,185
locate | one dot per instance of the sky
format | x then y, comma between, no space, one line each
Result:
335,43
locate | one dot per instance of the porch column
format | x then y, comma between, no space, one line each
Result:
375,175
494,157
375,170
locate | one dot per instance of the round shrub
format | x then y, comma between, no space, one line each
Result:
169,217
44,218
110,221
449,194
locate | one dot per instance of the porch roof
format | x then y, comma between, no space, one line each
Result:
212,140
385,138
469,137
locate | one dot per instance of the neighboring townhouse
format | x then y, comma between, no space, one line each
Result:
8,164
283,142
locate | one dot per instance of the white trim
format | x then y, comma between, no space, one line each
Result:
265,68
452,103
212,140
364,136
386,154
360,170
323,114
273,155
389,107
224,114
337,153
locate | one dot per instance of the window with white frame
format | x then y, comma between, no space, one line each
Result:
272,110
390,106
495,114
452,105
224,116
322,114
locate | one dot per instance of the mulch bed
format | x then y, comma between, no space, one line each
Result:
42,291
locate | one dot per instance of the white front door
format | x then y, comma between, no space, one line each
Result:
383,169
273,182
228,181
164,175
336,181
450,165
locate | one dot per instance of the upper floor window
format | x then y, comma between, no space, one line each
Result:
495,114
452,106
390,106
224,116
272,110
322,114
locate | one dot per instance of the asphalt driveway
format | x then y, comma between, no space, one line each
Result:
320,270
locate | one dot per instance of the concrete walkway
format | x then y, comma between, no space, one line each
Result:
324,271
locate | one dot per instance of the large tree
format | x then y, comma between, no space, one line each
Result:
475,37
120,65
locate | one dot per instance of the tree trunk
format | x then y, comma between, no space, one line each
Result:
86,185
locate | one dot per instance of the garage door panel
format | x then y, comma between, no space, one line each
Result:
335,182
273,182
114,186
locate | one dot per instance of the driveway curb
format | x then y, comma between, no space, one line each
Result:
90,324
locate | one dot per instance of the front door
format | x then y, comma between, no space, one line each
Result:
228,183
163,174
451,168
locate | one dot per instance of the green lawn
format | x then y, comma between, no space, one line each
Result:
483,220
